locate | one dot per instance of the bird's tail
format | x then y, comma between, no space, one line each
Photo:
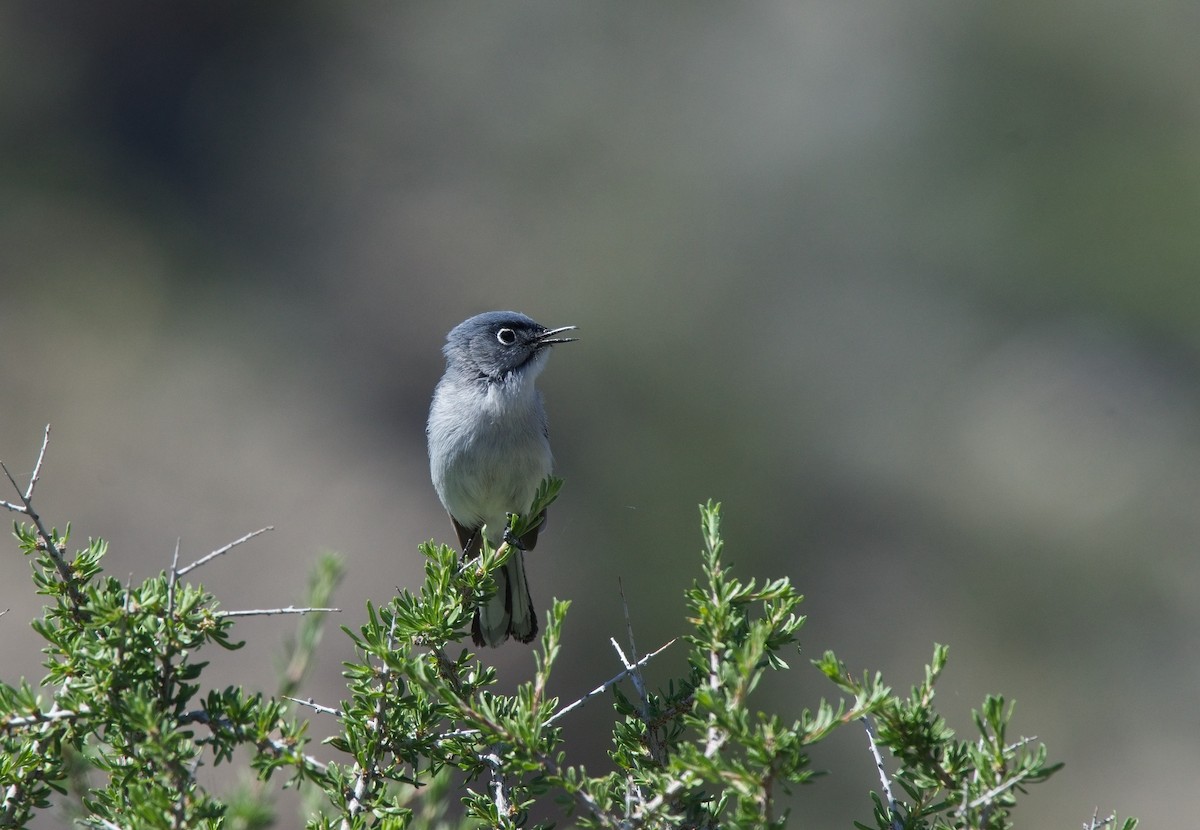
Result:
510,612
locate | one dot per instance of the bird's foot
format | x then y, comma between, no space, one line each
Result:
510,538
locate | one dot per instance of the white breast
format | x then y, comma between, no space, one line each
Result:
493,450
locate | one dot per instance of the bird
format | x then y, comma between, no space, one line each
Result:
489,449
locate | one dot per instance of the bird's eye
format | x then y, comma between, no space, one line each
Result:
506,336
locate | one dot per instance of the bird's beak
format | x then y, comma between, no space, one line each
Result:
546,338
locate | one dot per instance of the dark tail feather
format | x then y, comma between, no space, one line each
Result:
496,621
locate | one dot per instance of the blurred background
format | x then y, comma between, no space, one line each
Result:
911,288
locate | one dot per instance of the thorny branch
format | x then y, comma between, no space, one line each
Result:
884,781
222,550
365,774
269,612
26,508
608,684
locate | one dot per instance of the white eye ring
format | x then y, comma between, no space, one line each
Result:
506,336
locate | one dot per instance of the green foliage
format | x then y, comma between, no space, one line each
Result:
122,719
949,783
121,660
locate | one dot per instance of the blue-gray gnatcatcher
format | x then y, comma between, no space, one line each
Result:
488,451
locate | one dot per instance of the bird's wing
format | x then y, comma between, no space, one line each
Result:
469,539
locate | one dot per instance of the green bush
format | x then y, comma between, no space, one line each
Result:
123,718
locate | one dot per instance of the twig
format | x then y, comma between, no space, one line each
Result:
268,612
897,824
364,776
38,718
653,739
169,625
497,784
26,507
102,822
446,669
11,796
37,468
987,797
1013,747
174,578
312,704
15,792
715,737
220,551
1098,823
203,717
648,808
636,674
620,654
606,685
283,749
457,733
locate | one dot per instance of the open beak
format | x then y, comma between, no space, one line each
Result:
546,338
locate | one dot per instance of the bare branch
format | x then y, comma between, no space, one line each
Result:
203,560
715,736
37,468
43,717
52,550
15,792
355,806
283,749
174,578
268,612
497,784
365,775
1013,747
620,654
653,739
312,704
1098,823
606,685
11,796
884,781
648,808
987,797
165,681
636,674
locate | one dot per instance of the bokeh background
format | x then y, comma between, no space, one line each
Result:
911,288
